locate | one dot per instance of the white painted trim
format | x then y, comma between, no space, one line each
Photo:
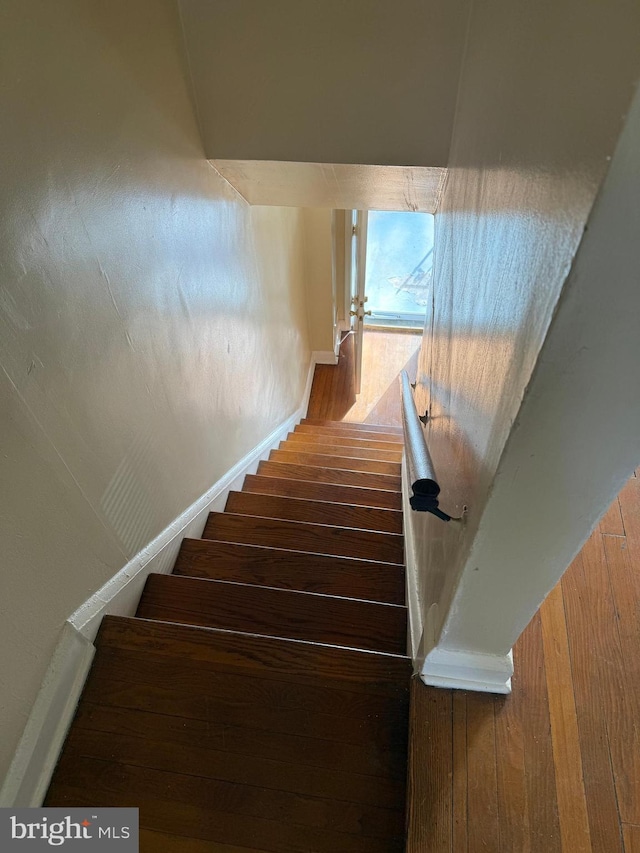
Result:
415,626
466,670
324,357
30,772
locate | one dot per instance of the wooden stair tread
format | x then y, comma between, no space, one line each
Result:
368,760
288,660
358,427
290,569
361,479
344,450
305,536
343,432
337,439
324,512
307,489
218,812
275,612
345,463
326,710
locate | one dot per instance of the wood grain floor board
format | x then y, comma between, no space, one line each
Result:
482,783
590,649
459,807
611,522
623,561
544,821
572,803
430,769
511,716
631,834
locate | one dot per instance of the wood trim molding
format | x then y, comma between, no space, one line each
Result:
467,670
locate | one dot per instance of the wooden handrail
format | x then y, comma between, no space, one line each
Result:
422,476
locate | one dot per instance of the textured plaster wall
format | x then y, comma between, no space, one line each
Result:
153,327
543,95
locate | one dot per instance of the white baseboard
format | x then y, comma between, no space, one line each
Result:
324,357
466,670
30,771
415,626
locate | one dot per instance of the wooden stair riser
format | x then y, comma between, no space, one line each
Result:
295,509
360,479
342,450
357,427
338,440
275,612
285,660
311,538
344,463
187,804
309,490
291,570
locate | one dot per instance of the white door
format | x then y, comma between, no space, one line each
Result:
358,275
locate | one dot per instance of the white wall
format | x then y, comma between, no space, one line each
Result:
319,279
363,81
576,439
153,327
543,94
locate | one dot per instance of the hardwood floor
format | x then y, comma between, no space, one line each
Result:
555,766
385,354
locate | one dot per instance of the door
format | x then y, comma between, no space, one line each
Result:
357,313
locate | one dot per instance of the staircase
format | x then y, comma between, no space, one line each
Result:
258,700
